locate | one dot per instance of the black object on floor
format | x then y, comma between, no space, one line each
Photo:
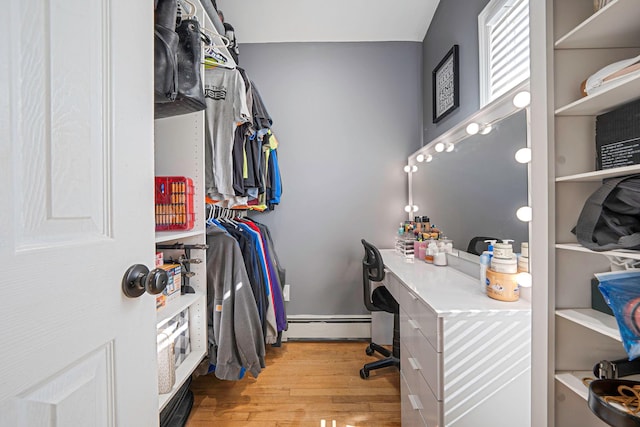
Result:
177,411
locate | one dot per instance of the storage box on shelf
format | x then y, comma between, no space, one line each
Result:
585,42
174,203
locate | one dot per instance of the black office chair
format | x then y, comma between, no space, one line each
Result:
477,245
379,300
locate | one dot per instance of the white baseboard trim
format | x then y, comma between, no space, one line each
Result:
327,327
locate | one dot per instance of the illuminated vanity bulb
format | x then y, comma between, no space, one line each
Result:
522,99
439,147
450,148
407,169
415,208
420,158
486,129
524,214
429,158
414,168
524,279
473,128
523,155
408,208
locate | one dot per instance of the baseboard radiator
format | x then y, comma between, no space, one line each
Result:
328,327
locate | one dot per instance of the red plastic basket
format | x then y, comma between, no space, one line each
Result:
174,203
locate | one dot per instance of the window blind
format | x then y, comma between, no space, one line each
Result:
506,47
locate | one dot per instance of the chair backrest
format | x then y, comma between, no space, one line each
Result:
477,245
372,271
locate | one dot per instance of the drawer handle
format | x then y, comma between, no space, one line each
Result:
413,324
415,402
414,364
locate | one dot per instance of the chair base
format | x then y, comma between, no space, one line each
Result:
373,347
383,363
392,358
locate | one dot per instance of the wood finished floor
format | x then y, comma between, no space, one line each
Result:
303,384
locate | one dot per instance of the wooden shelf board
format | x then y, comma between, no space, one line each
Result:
579,248
175,306
624,90
167,236
613,26
600,175
573,381
592,319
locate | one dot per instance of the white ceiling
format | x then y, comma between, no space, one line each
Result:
269,21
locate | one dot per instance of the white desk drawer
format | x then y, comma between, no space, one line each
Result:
411,415
417,356
422,317
393,284
418,397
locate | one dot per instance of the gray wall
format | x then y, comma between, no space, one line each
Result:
347,116
455,22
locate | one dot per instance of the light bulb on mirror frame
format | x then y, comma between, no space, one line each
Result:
524,213
429,158
414,208
486,129
473,128
439,147
408,208
522,99
523,155
414,168
420,158
450,148
407,168
524,279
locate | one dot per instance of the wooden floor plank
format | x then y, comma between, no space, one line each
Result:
303,384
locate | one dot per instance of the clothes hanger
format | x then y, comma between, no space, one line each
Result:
192,9
213,35
213,56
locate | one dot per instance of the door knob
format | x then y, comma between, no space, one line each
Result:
138,279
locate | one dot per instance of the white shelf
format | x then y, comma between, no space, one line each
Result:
615,25
624,90
579,248
182,373
594,320
175,306
573,381
167,236
600,175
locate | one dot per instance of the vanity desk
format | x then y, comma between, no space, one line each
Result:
465,358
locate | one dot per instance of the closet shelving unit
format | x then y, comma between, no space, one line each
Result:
585,41
179,151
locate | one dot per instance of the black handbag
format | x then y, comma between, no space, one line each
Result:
190,90
165,52
610,218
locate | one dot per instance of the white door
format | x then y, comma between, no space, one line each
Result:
76,210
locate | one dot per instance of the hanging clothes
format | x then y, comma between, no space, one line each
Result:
225,96
274,282
236,341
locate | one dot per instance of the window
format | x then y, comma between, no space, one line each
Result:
503,31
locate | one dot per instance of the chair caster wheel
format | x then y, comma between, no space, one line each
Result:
369,351
364,374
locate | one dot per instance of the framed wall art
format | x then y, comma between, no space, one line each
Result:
446,85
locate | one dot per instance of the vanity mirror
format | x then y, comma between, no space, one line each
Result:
468,181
